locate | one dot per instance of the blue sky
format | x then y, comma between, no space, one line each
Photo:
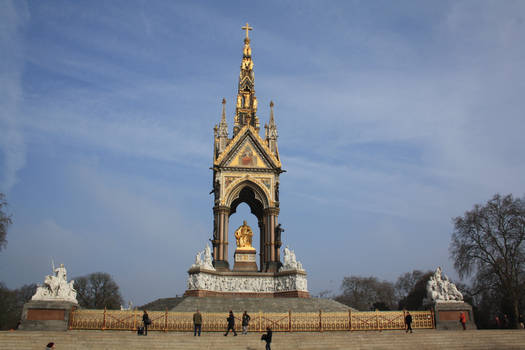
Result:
393,117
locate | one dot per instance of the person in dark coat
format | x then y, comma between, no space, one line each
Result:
408,322
267,338
146,321
231,324
197,323
245,322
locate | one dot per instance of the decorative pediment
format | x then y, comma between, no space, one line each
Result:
248,150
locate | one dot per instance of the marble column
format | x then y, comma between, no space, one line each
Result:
222,217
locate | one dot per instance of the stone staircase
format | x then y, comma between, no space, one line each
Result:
253,305
424,339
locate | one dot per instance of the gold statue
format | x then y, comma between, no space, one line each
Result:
244,235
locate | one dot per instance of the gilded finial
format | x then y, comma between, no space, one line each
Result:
271,104
223,116
247,28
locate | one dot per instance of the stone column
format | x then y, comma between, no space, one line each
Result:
261,243
272,256
216,234
222,215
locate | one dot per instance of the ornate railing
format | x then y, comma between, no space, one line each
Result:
279,322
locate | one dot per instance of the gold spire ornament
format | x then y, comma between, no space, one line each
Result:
247,28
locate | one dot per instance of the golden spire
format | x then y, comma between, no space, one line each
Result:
246,107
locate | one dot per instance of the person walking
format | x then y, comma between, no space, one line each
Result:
463,320
408,322
267,338
231,324
146,321
245,322
197,323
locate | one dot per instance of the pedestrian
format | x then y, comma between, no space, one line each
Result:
197,323
50,346
506,322
146,321
231,324
267,338
408,322
462,320
498,322
245,322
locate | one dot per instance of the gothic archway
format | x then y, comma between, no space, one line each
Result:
257,198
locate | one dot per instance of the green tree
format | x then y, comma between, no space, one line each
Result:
5,221
487,243
98,290
366,293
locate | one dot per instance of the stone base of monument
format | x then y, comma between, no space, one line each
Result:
40,315
208,283
244,260
447,315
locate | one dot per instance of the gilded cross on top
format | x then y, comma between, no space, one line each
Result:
247,28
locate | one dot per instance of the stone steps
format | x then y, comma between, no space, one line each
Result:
125,340
253,305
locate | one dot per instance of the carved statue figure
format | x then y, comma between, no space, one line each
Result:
216,189
290,261
56,287
277,192
207,257
440,289
278,231
244,235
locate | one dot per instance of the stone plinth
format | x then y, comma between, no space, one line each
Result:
39,315
245,260
204,283
447,315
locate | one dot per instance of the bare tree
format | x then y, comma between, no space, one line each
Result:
98,290
406,282
5,221
414,299
365,293
488,243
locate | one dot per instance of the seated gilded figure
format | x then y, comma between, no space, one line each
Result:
244,235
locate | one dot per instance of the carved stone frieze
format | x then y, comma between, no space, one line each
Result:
213,282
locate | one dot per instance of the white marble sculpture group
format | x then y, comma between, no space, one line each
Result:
290,261
203,259
441,290
56,287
